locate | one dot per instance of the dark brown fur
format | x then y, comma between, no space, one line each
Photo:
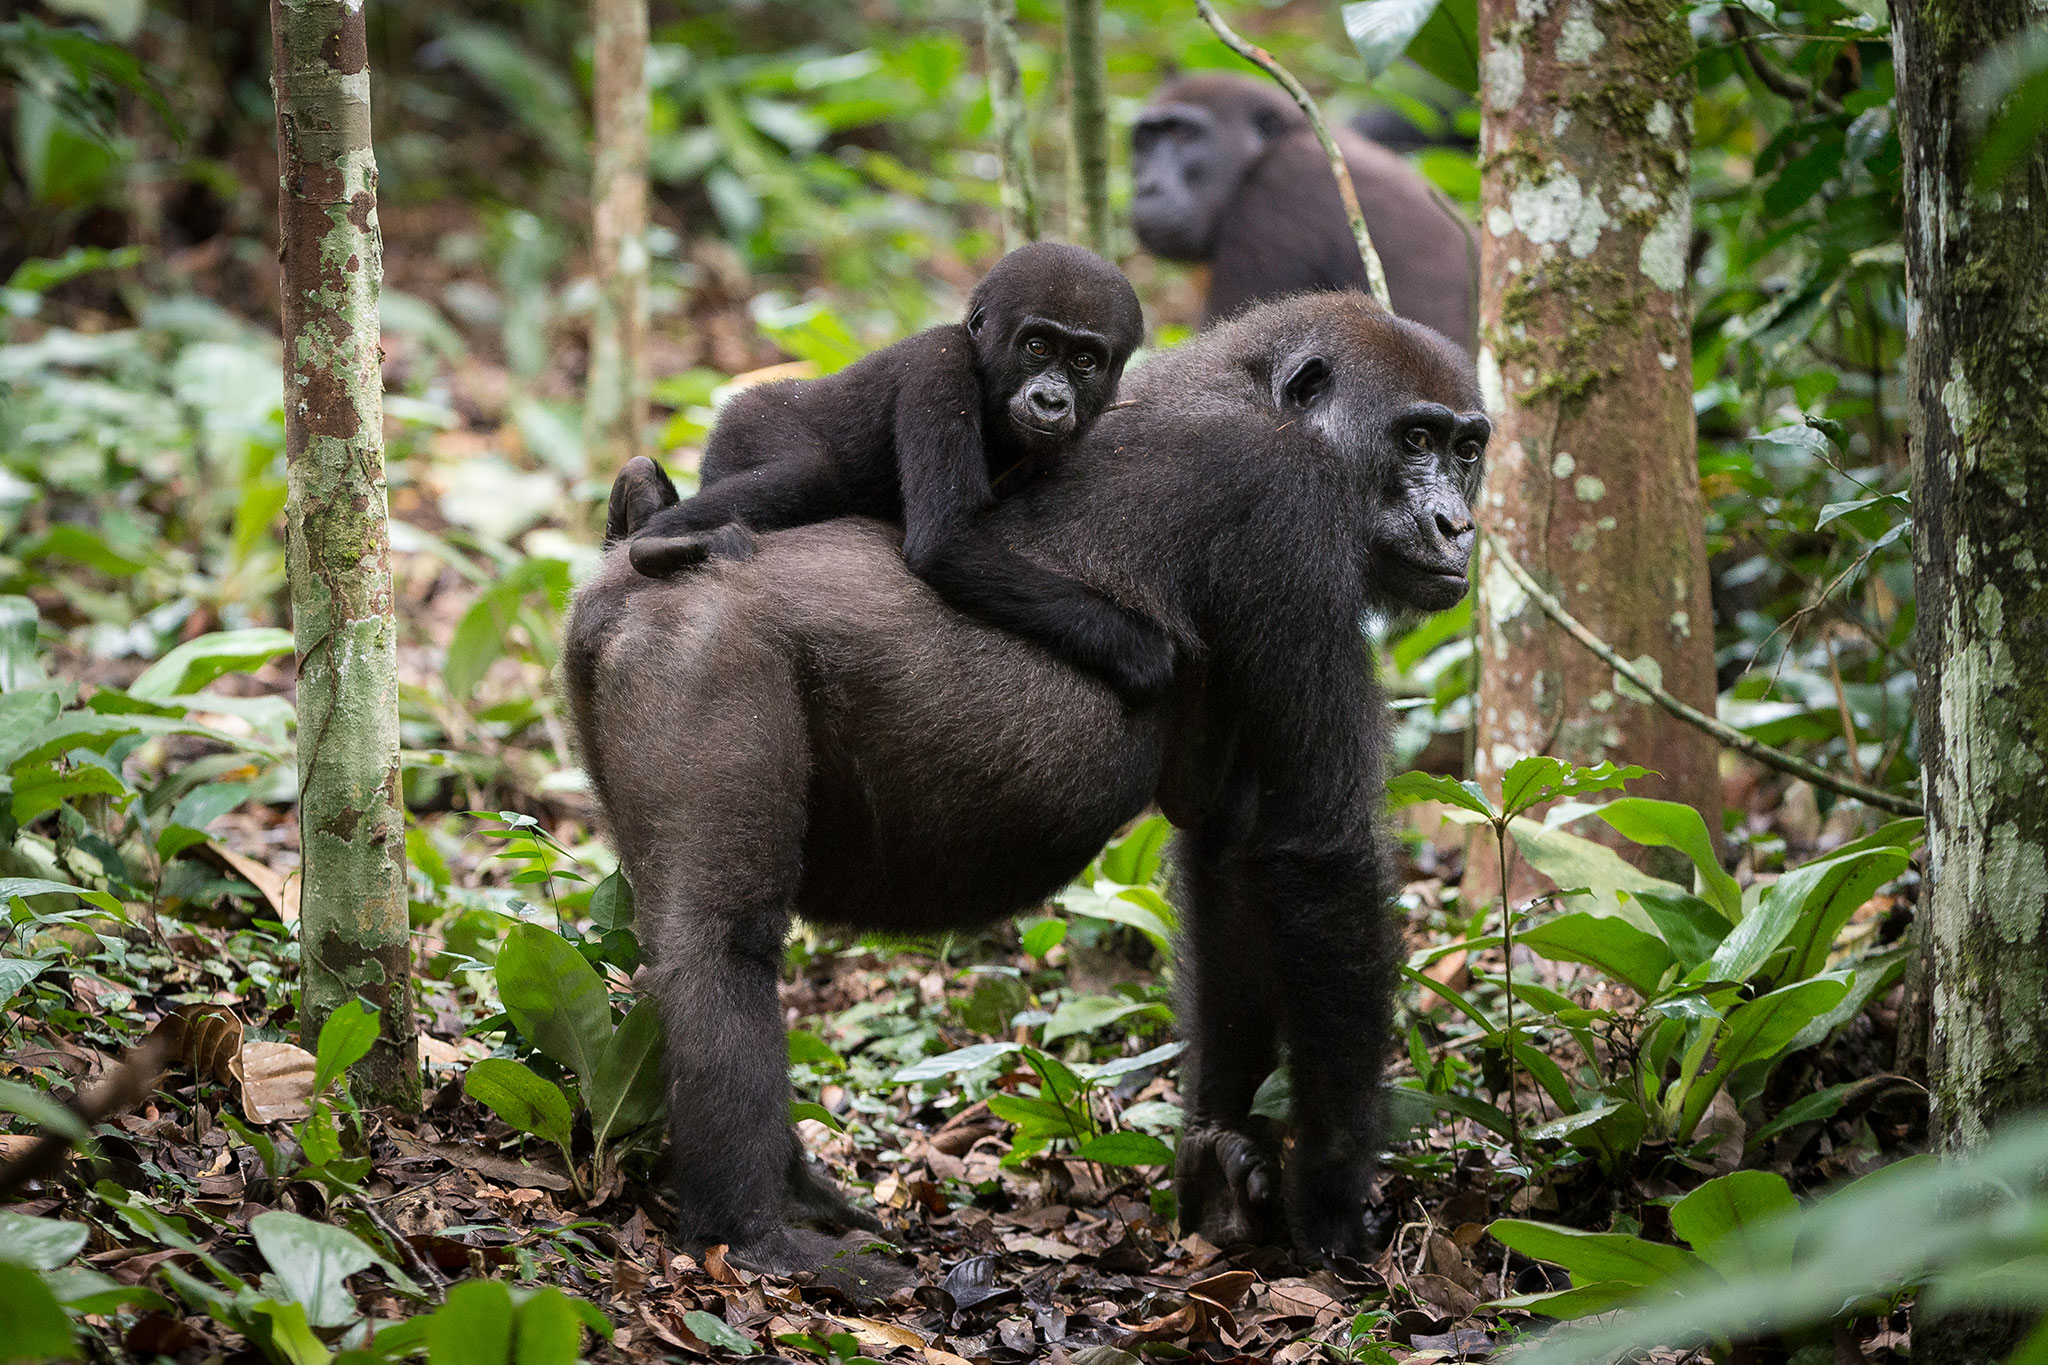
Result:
1227,172
812,732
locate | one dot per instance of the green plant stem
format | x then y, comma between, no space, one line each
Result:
1022,219
1507,976
1720,730
1375,274
1088,122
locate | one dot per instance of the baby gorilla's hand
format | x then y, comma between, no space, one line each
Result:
663,556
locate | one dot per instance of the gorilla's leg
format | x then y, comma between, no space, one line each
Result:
642,489
810,1197
1227,1174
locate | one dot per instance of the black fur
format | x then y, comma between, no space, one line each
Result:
813,733
927,434
1226,171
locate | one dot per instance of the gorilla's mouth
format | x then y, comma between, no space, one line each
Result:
1426,568
1049,431
1430,584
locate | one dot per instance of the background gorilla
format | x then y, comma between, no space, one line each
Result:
1226,171
813,732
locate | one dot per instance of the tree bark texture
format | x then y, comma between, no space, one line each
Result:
1977,359
1586,364
615,397
1088,122
1022,220
354,934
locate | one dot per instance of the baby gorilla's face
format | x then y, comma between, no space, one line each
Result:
1059,380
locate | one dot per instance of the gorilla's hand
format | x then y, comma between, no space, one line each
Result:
1228,1186
1331,1211
661,556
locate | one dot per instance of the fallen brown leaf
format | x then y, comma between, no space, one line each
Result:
277,1082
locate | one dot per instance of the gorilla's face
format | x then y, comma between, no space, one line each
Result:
1422,529
1185,166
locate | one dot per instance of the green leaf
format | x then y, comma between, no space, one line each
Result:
546,1330
1404,788
808,1049
474,1327
611,903
10,887
1448,46
88,1291
1691,928
1805,907
1538,778
20,661
16,973
1671,824
41,1110
1594,1257
1612,1129
345,1039
952,1063
196,663
555,997
1134,859
1822,1104
1124,1066
530,1103
1126,1149
1715,1218
811,1109
33,1326
1756,1031
41,788
625,1091
1092,1012
1615,946
1574,862
1382,29
283,1329
1139,907
1041,936
39,1243
1580,1301
313,1262
714,1333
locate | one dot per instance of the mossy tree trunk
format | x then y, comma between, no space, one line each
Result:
615,395
1977,357
1088,125
352,926
1586,363
1022,220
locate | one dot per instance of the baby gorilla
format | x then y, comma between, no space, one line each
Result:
923,434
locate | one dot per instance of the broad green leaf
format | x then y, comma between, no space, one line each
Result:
1805,907
1448,46
10,887
1041,936
1092,1012
1714,1219
1612,1129
1404,788
1690,927
345,1039
611,903
39,1243
1274,1099
714,1332
1382,29
1538,778
811,1109
196,663
88,1291
953,1063
1758,1030
1126,1149
1037,1116
555,997
20,661
625,1091
1124,1066
33,1326
1448,994
1574,862
474,1327
1139,907
1580,1301
1822,1104
313,1262
39,1109
41,788
808,1049
16,973
1869,977
1615,946
532,1104
283,1329
546,1330
22,714
1593,1257
1671,824
1134,859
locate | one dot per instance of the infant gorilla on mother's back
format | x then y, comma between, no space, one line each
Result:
924,434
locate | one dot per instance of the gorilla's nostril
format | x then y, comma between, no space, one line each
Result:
1451,528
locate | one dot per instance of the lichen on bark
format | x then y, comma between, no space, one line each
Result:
1586,362
615,406
353,927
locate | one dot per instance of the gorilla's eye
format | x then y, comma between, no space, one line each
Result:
1416,438
1035,348
1468,452
1084,363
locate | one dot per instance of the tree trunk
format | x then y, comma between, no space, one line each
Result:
1586,364
1977,358
1022,221
1088,115
615,397
354,935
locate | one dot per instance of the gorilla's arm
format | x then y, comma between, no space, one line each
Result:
944,469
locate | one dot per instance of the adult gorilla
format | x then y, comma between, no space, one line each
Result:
1226,171
811,732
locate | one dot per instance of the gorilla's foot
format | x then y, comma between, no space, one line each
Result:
810,1197
1228,1183
839,1263
641,490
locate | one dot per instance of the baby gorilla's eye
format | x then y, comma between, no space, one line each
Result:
1468,452
1417,438
1085,363
1035,348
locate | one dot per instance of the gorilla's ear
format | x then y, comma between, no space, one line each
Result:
1308,378
975,319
